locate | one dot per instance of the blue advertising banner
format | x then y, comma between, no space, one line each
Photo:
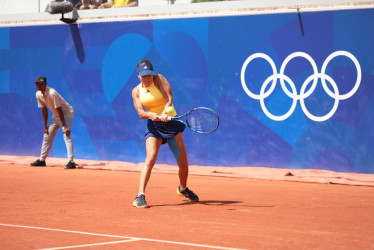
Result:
290,92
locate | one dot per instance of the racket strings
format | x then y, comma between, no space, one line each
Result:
203,120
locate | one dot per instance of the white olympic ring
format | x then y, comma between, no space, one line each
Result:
303,93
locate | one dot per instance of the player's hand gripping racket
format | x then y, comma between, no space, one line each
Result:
201,120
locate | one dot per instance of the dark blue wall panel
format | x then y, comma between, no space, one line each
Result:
318,113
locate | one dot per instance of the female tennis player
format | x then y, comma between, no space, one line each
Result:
151,99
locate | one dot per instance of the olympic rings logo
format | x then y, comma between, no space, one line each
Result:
304,93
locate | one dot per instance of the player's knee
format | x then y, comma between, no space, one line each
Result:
183,165
149,163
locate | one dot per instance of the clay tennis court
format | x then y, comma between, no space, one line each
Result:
91,208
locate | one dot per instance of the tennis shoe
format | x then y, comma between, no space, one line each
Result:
70,165
187,193
140,201
38,163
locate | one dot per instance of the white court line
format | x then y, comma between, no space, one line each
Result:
68,231
129,239
90,245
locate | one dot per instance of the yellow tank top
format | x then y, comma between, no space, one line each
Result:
120,3
152,99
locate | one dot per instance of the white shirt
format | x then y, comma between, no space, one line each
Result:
53,100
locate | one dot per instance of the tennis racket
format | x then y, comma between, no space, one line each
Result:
201,120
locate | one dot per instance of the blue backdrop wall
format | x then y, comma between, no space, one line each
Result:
288,96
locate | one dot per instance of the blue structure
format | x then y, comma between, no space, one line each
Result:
287,97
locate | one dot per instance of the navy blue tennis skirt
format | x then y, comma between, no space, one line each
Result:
164,130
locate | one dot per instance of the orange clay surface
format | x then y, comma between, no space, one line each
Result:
240,208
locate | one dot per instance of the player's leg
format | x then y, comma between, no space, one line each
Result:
152,146
182,160
178,148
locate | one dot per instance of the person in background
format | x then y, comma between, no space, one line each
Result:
152,97
63,115
90,4
119,4
76,3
